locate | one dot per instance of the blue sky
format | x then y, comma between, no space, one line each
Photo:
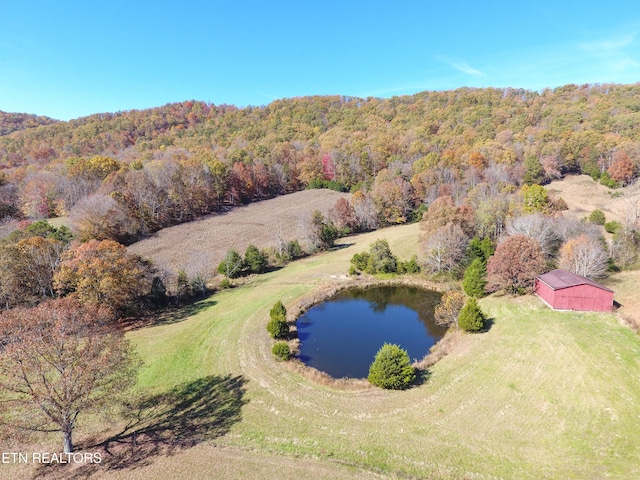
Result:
68,59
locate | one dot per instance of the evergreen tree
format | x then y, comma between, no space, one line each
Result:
475,278
281,351
322,231
381,260
391,368
278,311
232,266
278,328
471,318
183,289
534,173
479,248
255,260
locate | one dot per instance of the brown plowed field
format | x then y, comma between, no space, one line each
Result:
199,246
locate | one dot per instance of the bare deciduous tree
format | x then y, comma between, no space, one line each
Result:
631,208
100,217
624,249
567,228
60,359
584,256
444,249
365,211
536,226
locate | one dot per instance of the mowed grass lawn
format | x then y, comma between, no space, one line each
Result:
542,394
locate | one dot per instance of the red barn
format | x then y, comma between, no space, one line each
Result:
563,290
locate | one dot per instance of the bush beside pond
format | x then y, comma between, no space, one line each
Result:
391,368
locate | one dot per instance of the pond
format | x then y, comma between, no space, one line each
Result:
342,335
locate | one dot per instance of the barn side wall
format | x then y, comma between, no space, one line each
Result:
545,292
583,298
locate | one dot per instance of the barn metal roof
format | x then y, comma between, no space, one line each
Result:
559,279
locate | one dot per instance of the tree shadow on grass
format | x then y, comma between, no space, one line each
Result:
341,246
488,323
422,377
172,313
163,425
180,312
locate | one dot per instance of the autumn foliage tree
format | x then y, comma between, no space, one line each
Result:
170,164
448,310
443,211
104,273
622,168
100,217
58,360
534,198
27,268
515,264
343,216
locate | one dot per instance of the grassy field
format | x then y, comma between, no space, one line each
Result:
542,394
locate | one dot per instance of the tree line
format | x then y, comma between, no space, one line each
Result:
121,176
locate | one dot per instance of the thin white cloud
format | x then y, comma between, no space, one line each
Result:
466,68
611,52
463,67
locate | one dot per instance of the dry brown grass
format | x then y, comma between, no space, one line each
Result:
204,461
440,349
205,241
584,195
626,286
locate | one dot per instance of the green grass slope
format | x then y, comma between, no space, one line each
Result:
542,394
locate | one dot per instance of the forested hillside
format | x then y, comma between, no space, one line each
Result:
148,169
11,122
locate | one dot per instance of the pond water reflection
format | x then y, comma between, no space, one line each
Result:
341,335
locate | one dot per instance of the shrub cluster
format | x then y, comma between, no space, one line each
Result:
379,259
597,217
453,309
330,184
234,266
281,351
289,251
